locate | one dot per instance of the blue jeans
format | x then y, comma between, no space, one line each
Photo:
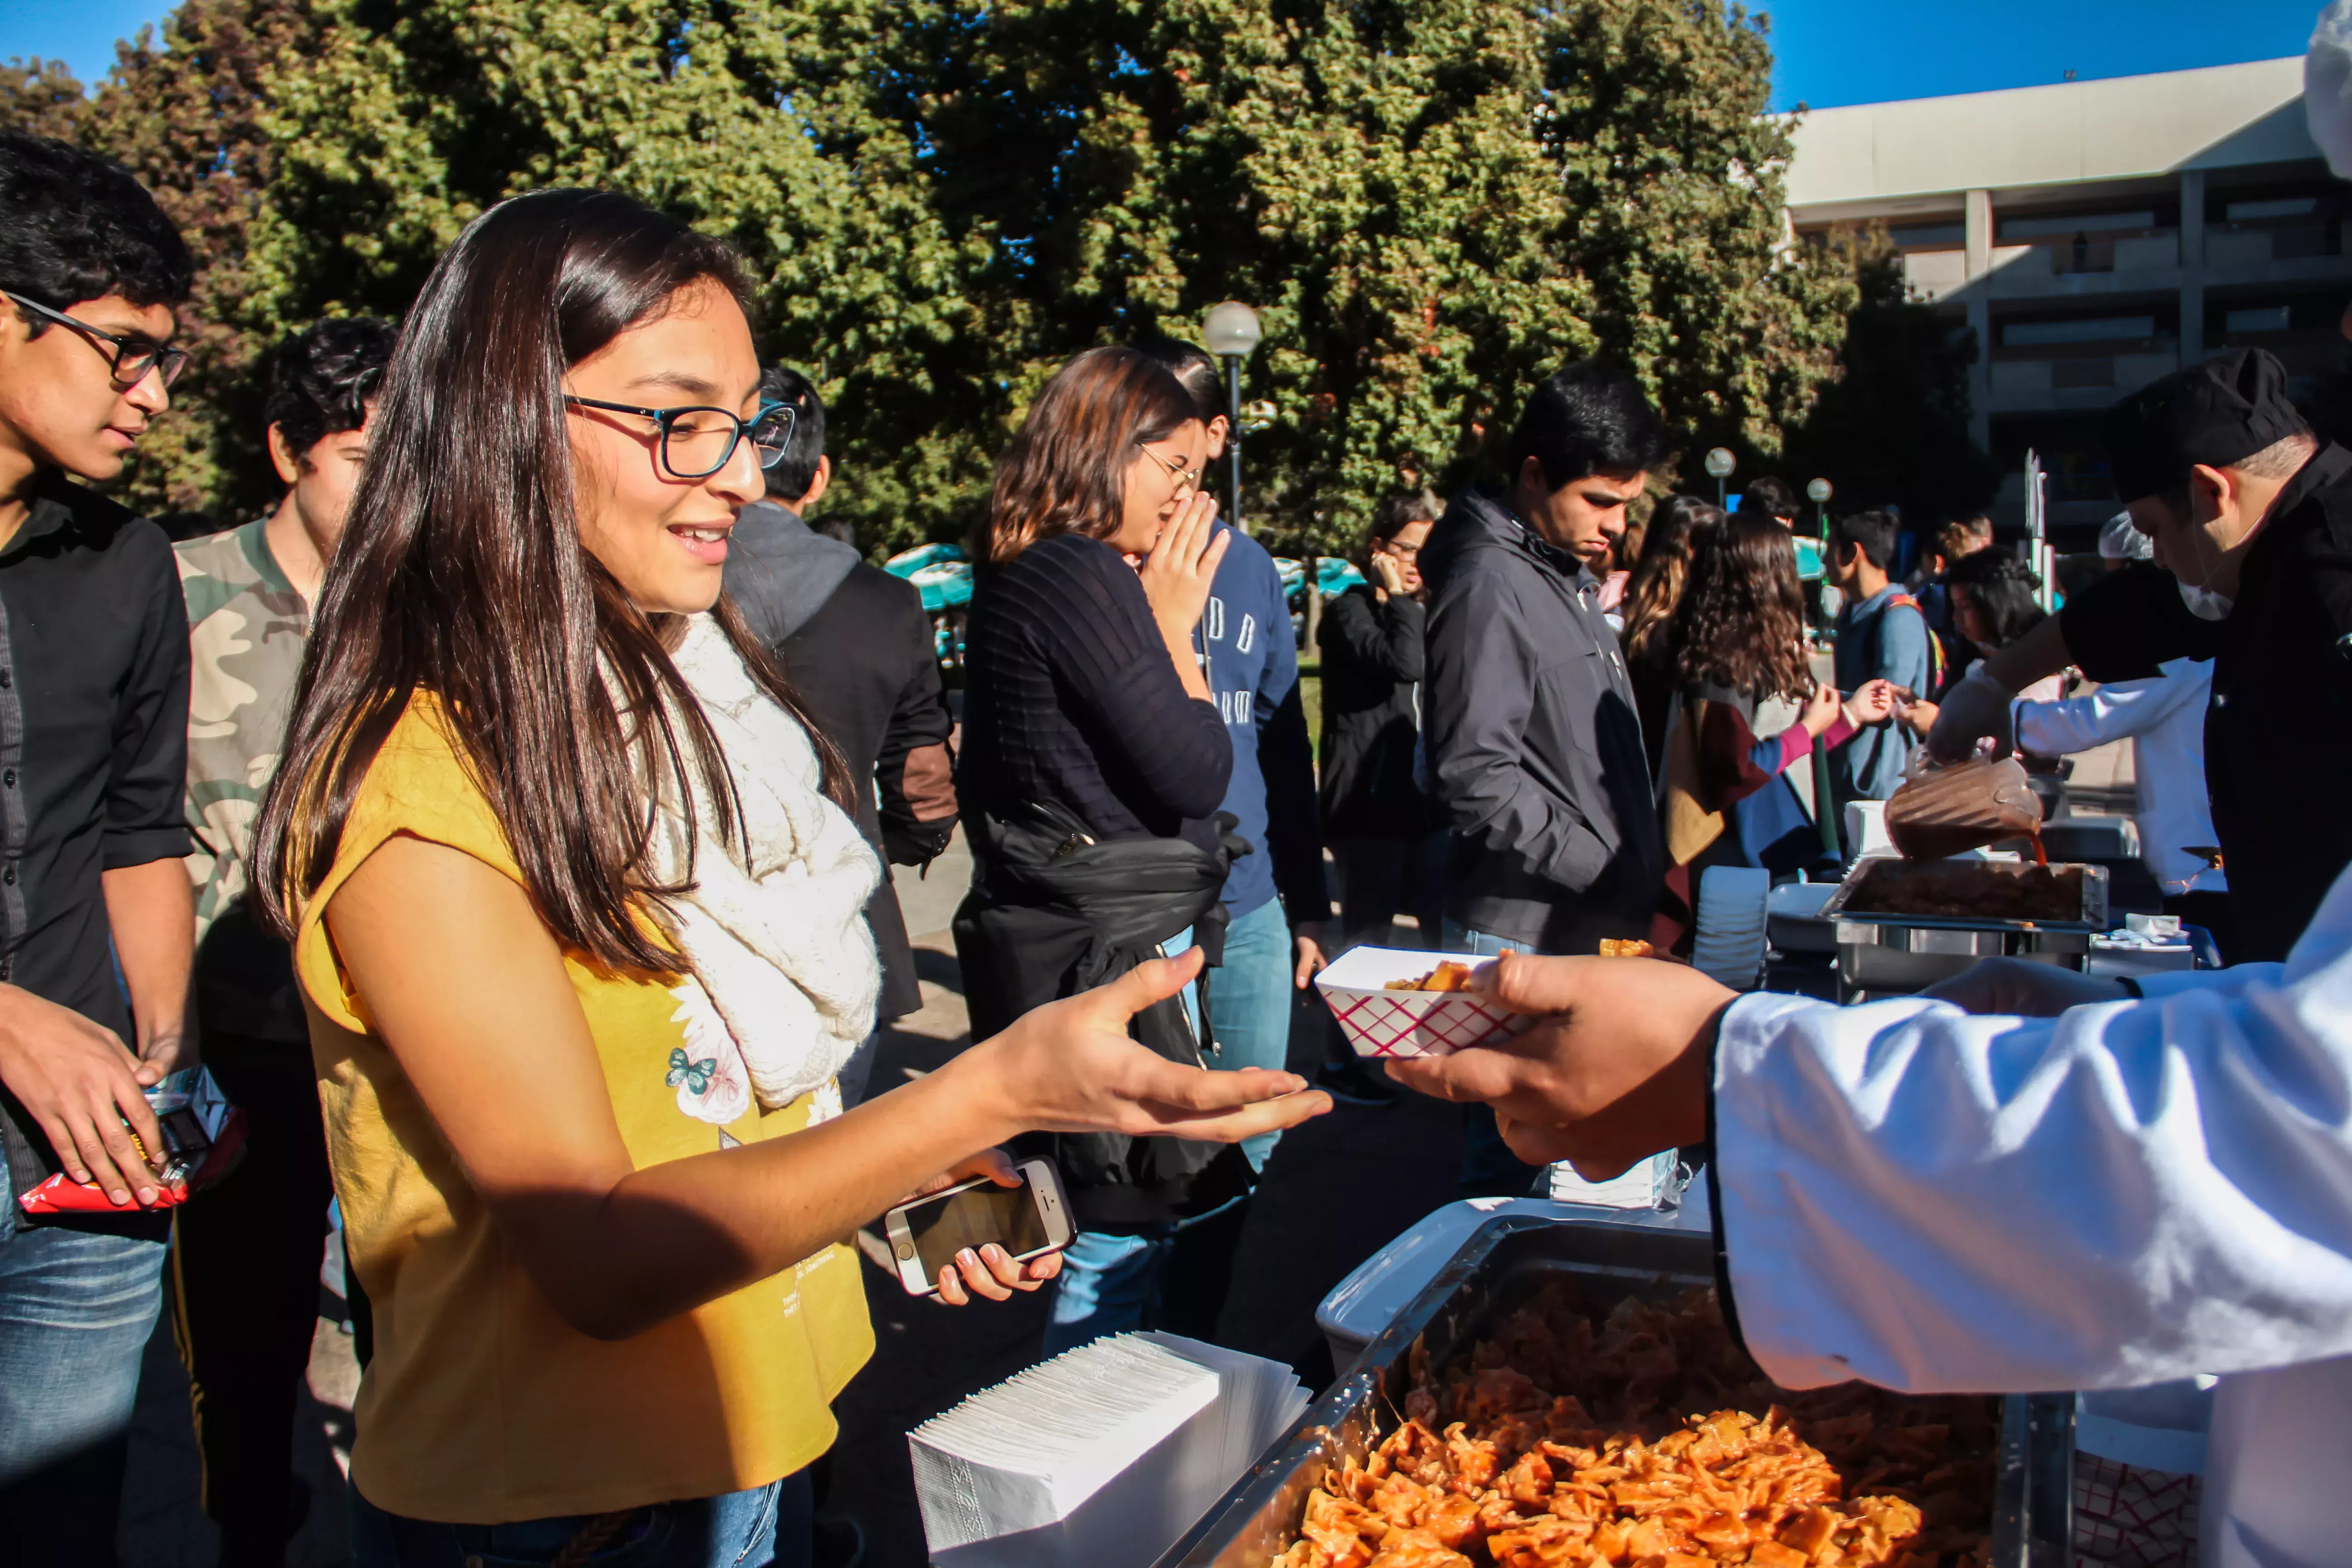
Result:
1250,1000
767,1525
1489,1169
1171,1276
76,1309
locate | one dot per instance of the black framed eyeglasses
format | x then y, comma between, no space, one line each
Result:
132,357
1187,478
695,443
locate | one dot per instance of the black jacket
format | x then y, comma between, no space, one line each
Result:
1052,912
1533,739
863,664
2278,731
1371,664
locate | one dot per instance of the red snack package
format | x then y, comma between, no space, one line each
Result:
203,1135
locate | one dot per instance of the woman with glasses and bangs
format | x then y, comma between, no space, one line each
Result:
1095,761
577,911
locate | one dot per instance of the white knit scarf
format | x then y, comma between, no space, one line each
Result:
784,980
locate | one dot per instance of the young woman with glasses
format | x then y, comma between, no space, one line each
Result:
609,1304
1092,750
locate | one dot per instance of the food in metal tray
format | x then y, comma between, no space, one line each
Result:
1659,1459
1968,889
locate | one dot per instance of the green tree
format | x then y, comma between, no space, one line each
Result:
1431,202
1892,424
41,96
185,115
415,117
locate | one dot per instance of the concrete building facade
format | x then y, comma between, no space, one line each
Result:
2093,236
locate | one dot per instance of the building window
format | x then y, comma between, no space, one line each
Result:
2118,331
1929,235
2256,319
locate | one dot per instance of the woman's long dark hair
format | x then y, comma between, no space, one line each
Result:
461,575
2002,588
1741,623
1659,578
1065,471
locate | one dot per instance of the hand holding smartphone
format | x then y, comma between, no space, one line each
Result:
929,1235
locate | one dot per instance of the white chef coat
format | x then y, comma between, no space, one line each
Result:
2164,719
2126,1194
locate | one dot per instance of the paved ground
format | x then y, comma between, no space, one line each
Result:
1334,1193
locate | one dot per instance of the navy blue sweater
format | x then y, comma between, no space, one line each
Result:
1251,662
1071,697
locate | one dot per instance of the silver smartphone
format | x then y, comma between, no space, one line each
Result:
1027,1221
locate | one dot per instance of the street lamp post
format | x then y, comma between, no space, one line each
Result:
1819,493
1721,463
1230,330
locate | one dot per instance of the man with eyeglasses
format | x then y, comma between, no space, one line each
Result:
93,759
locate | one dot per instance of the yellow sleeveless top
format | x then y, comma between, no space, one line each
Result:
482,1405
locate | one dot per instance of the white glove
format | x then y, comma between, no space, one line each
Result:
1977,707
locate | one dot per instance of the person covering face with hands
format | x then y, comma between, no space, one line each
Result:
1096,763
1882,1179
2250,518
1275,898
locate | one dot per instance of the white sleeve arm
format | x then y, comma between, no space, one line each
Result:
2114,712
2128,1193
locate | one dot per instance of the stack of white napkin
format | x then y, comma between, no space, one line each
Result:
1101,1456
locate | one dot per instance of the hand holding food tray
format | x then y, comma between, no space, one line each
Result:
1395,1002
1398,1001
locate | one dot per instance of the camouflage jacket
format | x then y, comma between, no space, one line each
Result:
248,628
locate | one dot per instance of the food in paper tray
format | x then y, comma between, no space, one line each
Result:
1447,976
1968,889
1391,1002
1659,1458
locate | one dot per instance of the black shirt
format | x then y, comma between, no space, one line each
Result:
1072,699
93,743
2278,731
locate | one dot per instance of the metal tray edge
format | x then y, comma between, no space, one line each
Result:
2093,921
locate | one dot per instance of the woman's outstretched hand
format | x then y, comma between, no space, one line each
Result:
1616,1071
1070,1067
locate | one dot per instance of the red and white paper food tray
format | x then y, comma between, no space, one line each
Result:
1383,1023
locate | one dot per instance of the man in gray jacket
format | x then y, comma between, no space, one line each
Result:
1535,745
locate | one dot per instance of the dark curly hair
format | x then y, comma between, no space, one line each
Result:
76,226
1663,572
322,378
2002,588
1741,623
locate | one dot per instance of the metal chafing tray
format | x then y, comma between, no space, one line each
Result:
1505,1261
1883,954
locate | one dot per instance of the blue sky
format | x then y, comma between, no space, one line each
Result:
1831,51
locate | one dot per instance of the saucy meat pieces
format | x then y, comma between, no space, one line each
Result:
1970,890
1657,1461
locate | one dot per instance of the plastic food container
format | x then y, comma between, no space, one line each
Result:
1383,1023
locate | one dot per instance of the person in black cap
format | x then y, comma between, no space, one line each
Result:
2252,516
